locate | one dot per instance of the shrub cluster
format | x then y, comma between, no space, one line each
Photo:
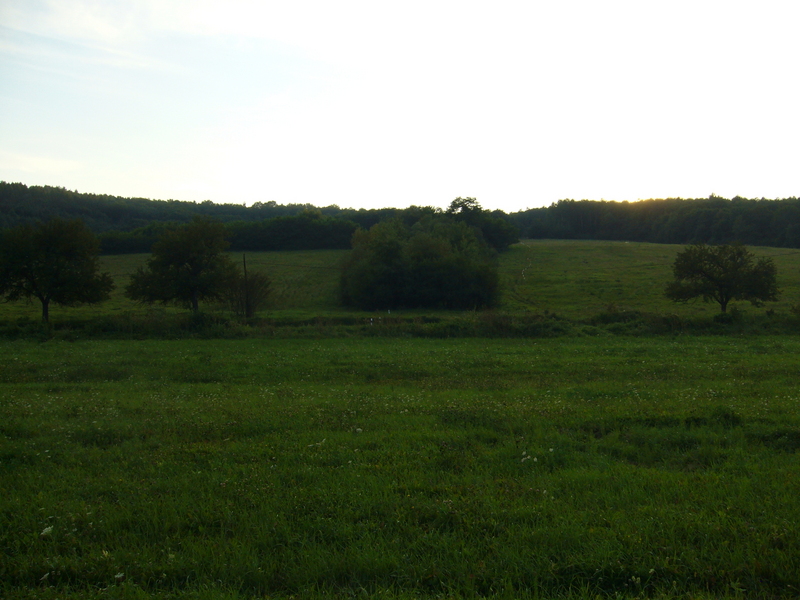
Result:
436,263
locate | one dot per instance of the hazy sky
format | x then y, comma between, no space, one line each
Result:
375,103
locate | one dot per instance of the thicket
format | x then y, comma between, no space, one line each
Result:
438,262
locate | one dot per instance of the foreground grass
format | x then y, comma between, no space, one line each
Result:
404,468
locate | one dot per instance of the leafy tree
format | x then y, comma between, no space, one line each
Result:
722,273
436,263
448,266
464,206
53,262
497,232
373,274
188,265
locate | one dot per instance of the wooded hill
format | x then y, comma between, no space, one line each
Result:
133,224
712,220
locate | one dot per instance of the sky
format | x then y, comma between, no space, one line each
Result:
370,104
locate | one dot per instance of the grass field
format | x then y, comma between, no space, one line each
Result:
399,468
578,279
573,279
314,454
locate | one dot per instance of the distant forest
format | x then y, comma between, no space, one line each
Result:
712,220
133,224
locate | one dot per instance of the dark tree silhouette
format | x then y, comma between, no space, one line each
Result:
53,262
437,263
722,274
498,232
188,265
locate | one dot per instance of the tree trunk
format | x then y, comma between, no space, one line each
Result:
45,309
195,305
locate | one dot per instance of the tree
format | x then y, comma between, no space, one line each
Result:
722,273
188,265
54,262
436,263
496,231
448,265
373,273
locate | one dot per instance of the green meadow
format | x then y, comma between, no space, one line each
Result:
589,464
571,279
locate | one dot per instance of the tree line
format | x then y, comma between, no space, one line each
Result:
100,212
312,230
308,230
133,225
712,220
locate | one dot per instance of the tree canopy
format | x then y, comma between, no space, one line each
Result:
711,220
498,232
188,264
436,263
722,274
53,262
123,223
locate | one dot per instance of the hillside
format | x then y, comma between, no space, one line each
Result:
575,280
714,220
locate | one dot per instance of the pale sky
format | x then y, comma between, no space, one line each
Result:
374,104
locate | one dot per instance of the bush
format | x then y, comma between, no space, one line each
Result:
436,263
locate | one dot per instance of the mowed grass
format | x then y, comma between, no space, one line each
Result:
400,468
573,279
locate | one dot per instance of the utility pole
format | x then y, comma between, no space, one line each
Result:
246,289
